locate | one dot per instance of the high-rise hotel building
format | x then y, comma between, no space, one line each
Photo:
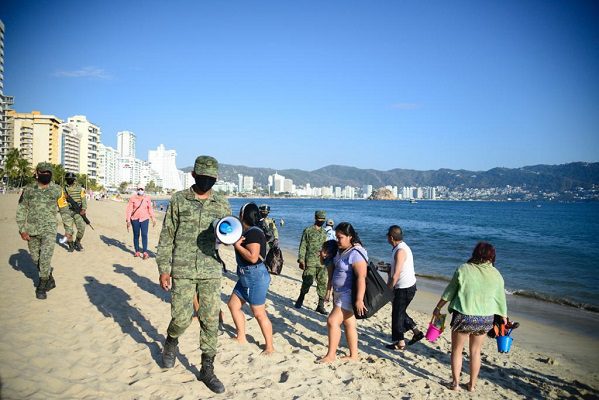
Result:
164,163
6,128
88,148
70,147
37,136
125,144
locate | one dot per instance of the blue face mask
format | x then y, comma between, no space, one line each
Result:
140,192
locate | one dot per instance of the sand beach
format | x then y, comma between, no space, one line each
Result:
99,335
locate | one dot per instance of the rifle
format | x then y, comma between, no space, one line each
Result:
73,205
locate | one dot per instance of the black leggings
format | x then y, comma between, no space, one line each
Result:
400,320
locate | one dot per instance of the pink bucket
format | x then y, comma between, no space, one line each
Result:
432,333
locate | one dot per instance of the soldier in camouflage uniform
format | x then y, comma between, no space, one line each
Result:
187,254
69,216
309,260
36,218
270,225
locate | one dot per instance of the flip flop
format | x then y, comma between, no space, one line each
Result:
416,338
395,346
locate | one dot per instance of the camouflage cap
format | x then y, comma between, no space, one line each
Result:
320,214
206,165
44,167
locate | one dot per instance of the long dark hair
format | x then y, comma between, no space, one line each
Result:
348,230
250,214
482,253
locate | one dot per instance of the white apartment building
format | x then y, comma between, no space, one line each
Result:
367,191
327,191
107,166
70,147
186,179
349,192
90,139
248,183
430,193
224,187
288,186
147,175
278,182
125,143
128,170
164,163
407,192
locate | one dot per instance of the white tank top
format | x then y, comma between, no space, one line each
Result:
407,277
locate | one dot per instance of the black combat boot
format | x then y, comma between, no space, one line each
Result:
71,246
320,308
169,353
40,290
300,301
77,245
51,284
207,375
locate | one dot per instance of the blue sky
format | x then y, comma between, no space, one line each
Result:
282,84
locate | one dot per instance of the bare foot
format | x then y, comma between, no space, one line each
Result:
454,386
267,352
325,360
471,387
240,340
350,358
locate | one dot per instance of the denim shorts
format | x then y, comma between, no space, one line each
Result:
252,284
343,300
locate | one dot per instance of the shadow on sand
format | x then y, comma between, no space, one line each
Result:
143,283
113,302
116,243
22,262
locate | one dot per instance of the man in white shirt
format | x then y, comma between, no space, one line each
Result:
402,279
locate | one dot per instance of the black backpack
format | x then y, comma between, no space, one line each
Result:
274,261
377,292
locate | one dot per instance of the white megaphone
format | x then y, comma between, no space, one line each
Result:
228,230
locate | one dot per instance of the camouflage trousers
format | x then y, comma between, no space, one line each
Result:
183,292
70,218
318,273
41,248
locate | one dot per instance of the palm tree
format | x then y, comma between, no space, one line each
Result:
10,166
23,170
58,173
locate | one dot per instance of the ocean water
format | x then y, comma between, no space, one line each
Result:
548,251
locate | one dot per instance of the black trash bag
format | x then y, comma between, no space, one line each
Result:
274,260
377,293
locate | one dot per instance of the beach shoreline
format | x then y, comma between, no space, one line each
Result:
100,333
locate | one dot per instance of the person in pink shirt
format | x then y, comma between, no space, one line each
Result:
139,214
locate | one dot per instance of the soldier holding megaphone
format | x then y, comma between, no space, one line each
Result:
188,263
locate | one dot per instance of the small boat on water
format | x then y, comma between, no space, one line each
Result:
413,201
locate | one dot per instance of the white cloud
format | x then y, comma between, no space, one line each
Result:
405,106
85,72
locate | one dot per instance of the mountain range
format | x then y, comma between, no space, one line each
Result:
548,178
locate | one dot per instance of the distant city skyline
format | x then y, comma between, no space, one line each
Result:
461,85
